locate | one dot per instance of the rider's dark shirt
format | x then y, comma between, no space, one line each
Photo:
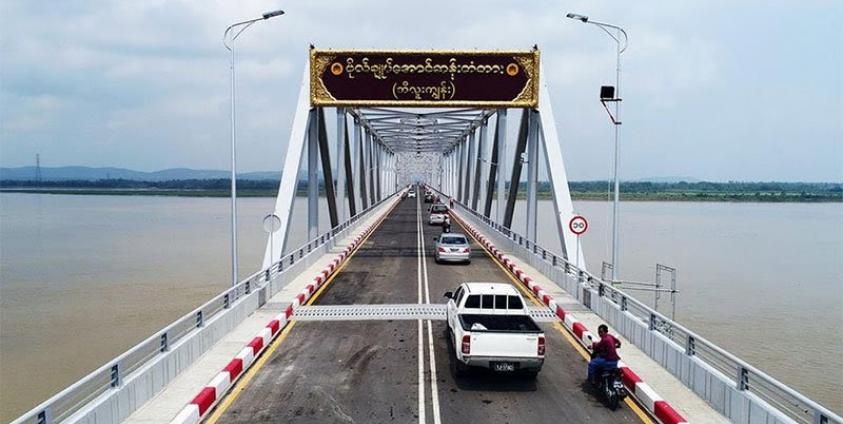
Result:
605,348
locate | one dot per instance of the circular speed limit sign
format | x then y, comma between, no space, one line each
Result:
578,224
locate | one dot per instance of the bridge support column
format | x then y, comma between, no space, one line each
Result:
390,172
449,187
312,179
362,136
289,177
327,174
556,175
341,142
532,173
381,171
517,164
371,171
348,148
378,169
492,176
469,169
443,173
480,169
500,130
454,171
394,166
460,173
384,171
387,173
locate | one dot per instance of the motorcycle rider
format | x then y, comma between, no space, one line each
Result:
605,354
446,225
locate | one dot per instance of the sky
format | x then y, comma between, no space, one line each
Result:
712,89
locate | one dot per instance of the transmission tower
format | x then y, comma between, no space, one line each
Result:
38,168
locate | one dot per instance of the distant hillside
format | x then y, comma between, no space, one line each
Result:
667,180
84,173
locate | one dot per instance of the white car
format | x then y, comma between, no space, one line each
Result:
490,327
451,247
438,212
411,194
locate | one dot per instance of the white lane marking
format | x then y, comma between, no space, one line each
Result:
431,356
422,408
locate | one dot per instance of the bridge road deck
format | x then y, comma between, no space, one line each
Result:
369,371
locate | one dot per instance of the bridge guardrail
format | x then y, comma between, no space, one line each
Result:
743,376
72,399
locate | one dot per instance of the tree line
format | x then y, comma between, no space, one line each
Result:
644,187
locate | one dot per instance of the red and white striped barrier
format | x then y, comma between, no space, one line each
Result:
209,395
642,391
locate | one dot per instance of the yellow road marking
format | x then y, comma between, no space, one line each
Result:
244,381
633,405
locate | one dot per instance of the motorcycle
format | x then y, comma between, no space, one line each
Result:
609,383
611,388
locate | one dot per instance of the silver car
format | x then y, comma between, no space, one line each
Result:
438,212
452,247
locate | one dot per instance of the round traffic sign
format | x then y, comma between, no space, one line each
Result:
271,223
578,224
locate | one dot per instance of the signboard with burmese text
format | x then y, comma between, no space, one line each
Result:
424,78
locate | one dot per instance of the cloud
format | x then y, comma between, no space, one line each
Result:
145,84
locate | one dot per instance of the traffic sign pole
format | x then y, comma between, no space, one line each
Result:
578,251
578,225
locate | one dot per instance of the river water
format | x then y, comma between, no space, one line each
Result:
84,278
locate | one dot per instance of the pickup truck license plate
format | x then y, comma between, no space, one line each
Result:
503,366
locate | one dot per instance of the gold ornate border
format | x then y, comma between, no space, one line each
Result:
527,98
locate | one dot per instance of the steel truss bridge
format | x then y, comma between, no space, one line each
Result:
349,325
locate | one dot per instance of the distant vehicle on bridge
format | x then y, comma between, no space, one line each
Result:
437,214
452,247
411,194
490,327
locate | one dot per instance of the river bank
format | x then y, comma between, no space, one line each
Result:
689,196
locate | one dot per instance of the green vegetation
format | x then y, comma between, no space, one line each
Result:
732,191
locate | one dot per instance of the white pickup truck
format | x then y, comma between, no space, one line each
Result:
490,327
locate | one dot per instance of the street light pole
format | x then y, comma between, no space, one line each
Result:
228,38
619,35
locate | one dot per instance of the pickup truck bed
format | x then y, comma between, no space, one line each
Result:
490,327
500,323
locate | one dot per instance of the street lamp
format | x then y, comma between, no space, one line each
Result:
620,37
228,38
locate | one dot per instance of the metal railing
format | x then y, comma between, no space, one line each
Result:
744,376
110,376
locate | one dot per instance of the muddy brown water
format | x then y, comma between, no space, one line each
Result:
84,278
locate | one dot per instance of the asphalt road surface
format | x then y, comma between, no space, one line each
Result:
380,371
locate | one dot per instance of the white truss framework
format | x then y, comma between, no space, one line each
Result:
448,148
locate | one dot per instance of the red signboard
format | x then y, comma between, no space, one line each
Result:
424,78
